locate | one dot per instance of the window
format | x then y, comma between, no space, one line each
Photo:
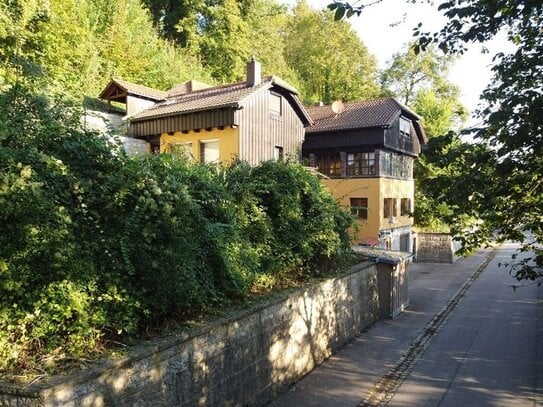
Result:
181,150
395,165
405,134
209,151
359,207
405,126
360,164
404,242
275,104
390,209
405,207
329,164
278,153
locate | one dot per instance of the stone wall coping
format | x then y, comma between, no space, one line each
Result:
33,388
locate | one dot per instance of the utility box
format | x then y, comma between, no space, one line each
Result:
393,284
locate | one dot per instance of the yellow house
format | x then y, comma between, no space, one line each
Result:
366,150
255,120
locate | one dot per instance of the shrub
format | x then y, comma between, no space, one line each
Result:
95,244
294,222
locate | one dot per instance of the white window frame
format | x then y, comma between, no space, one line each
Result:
276,104
203,154
405,126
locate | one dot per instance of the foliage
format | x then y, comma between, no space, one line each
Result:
52,296
95,244
332,62
158,43
448,169
513,126
410,72
76,49
268,26
131,49
293,222
420,81
440,114
225,34
510,207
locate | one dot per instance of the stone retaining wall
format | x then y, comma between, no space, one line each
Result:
436,248
246,360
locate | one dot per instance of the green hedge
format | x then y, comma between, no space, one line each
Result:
94,243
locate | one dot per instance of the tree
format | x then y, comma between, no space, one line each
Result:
268,25
330,59
21,42
512,205
75,50
444,172
224,34
131,49
420,81
513,125
409,72
440,114
170,15
224,40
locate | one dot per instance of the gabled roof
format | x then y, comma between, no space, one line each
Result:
358,115
117,89
218,97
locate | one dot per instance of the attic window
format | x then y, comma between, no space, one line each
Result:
275,104
405,126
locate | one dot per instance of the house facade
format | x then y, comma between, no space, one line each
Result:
366,151
255,120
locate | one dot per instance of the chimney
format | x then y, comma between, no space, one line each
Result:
254,72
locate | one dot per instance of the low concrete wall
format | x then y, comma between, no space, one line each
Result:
240,361
436,248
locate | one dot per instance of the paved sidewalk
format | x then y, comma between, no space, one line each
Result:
346,377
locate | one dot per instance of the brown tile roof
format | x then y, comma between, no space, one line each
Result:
187,87
211,98
357,115
135,89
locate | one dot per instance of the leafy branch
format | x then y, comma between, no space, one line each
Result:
347,10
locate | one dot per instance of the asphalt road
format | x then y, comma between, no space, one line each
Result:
488,353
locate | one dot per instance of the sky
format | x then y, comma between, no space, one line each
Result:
387,26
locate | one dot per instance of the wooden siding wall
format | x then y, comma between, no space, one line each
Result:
345,140
392,139
191,121
260,132
416,149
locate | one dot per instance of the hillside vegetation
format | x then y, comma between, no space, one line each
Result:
76,47
95,245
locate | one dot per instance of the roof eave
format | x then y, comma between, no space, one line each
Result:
405,109
114,82
203,109
107,88
377,126
421,134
